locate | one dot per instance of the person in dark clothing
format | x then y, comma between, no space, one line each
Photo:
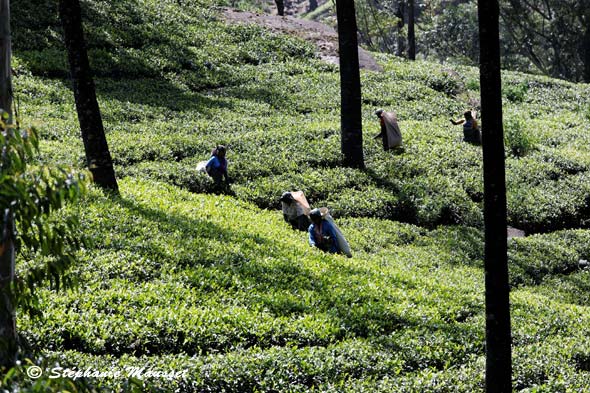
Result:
471,132
217,166
322,233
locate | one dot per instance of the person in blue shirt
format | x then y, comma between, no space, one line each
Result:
321,233
217,165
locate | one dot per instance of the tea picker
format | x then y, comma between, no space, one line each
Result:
296,210
216,166
390,134
325,234
471,131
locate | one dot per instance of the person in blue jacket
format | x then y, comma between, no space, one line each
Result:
321,233
217,165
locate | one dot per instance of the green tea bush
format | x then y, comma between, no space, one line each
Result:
517,139
569,160
250,297
571,288
50,62
551,205
515,93
438,201
447,81
181,174
536,258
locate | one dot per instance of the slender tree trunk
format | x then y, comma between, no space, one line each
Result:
350,86
280,7
400,25
586,49
98,156
411,31
8,337
367,33
5,57
498,335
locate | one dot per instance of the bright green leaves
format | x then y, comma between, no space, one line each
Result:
35,195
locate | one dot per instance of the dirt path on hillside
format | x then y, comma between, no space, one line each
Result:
323,36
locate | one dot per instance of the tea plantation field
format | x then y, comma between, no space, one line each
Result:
219,290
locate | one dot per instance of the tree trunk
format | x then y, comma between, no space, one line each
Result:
8,337
98,156
350,86
498,340
280,7
313,4
399,52
5,57
586,49
411,31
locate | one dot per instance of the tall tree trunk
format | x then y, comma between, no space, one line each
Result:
411,31
8,337
280,7
399,52
98,156
350,86
5,58
498,340
313,4
586,49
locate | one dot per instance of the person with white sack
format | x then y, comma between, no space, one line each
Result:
296,209
216,167
390,131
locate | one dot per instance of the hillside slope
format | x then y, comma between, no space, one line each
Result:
219,286
231,299
176,92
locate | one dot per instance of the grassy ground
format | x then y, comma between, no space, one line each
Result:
220,287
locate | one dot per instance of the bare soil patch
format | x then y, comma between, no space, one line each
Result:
324,37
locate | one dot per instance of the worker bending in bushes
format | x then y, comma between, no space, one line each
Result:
471,132
322,233
216,167
390,134
295,210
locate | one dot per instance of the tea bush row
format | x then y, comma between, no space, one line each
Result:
215,286
278,116
188,144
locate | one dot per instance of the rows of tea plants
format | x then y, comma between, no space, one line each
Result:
280,121
220,287
230,295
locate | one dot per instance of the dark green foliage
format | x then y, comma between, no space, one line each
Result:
516,93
